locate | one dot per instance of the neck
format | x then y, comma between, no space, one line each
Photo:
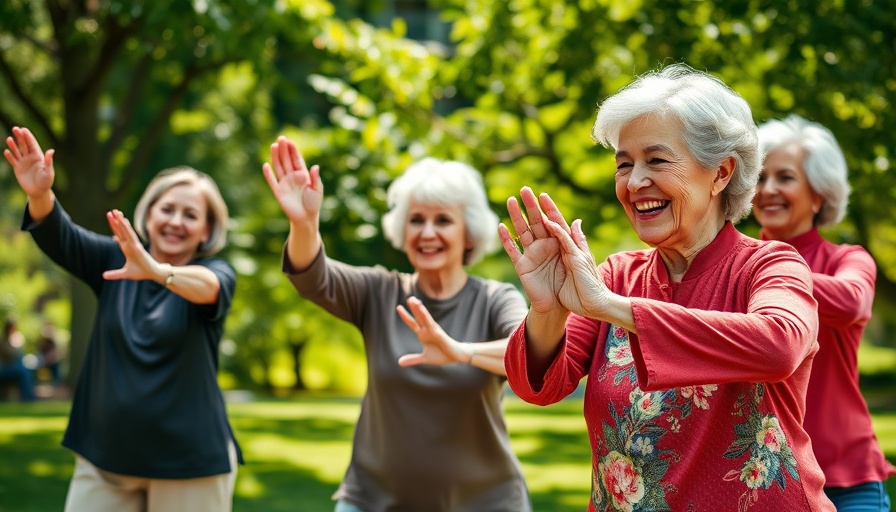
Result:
678,259
441,284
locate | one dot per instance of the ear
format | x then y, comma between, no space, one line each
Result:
817,201
723,175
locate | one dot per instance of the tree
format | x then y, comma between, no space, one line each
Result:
101,82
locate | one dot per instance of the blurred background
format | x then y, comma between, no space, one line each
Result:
123,89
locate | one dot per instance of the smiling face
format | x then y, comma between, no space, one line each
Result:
671,201
785,203
435,236
177,223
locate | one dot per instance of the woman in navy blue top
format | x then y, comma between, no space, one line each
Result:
148,424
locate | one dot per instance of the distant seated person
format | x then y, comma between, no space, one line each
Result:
12,367
48,353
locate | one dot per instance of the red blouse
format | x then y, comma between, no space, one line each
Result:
702,409
837,418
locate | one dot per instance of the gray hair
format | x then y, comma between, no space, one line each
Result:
717,124
824,164
444,183
216,214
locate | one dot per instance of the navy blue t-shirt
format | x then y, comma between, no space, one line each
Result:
147,402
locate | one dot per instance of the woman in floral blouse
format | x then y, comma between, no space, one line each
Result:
698,349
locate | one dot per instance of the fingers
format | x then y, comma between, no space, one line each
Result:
421,314
316,184
408,319
551,211
411,360
30,142
533,212
48,158
121,227
295,158
567,244
508,243
269,176
13,149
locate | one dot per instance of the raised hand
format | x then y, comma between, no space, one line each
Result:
139,264
298,190
539,265
33,168
584,291
438,348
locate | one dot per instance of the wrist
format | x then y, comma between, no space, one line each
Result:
472,354
166,275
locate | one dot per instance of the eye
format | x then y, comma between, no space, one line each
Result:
415,219
444,220
623,167
657,161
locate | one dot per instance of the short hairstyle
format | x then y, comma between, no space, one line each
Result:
445,183
717,124
216,212
824,164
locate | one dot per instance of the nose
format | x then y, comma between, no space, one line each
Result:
176,218
429,229
768,186
638,178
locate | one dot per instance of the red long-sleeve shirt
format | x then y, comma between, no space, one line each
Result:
837,417
702,409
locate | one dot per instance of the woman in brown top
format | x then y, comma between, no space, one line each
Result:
431,433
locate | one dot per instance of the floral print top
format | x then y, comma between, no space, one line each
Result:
701,410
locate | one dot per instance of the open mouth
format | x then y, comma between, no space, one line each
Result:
652,206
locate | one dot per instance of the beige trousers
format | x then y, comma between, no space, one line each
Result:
95,490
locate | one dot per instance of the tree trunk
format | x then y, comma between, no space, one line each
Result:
297,349
83,312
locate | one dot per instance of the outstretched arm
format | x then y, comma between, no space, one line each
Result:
34,171
440,349
195,283
299,192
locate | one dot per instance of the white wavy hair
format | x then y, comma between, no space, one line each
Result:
717,124
444,183
824,165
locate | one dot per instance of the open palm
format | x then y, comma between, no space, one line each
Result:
298,190
138,262
33,168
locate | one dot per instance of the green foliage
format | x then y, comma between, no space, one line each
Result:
122,90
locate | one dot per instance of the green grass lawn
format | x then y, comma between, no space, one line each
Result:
297,451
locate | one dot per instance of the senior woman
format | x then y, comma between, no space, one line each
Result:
147,424
803,186
698,349
431,434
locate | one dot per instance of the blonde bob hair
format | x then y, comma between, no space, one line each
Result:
217,216
717,123
444,183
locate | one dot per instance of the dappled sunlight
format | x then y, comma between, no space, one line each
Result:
297,450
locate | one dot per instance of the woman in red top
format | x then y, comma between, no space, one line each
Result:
697,350
802,187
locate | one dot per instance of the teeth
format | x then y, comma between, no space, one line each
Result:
649,205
